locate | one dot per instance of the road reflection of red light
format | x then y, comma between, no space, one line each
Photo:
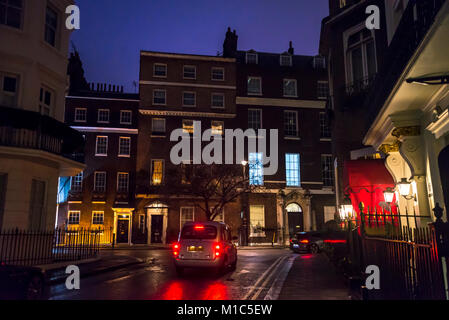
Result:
306,256
173,292
335,241
216,291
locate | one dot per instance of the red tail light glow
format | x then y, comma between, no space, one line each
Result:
176,248
304,241
217,250
199,227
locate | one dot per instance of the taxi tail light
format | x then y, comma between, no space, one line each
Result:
304,241
217,250
176,248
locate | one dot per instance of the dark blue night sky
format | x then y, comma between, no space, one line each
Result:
114,31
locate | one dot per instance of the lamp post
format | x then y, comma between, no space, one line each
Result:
404,189
244,227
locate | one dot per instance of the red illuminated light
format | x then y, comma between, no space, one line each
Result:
304,241
335,241
217,249
199,227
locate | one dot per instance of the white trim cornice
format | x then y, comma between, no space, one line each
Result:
308,104
98,98
186,114
185,56
185,84
106,130
441,126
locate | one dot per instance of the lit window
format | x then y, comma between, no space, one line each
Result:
51,25
126,116
286,61
124,149
291,123
255,169
157,126
157,171
77,183
187,126
218,100
187,214
254,85
97,217
189,72
189,99
218,74
11,13
324,128
254,119
159,97
290,88
103,116
160,70
122,182
257,220
101,148
9,90
100,181
217,127
322,89
80,115
251,58
327,170
292,169
74,217
45,101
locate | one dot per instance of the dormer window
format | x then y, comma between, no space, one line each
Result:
286,60
251,58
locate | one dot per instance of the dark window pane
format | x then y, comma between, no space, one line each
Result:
13,17
41,95
47,98
9,84
357,64
2,14
51,22
371,56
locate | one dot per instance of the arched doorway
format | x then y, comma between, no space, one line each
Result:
157,214
443,163
295,218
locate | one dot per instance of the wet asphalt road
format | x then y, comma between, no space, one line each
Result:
259,275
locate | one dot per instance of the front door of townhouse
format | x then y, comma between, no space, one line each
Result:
122,230
156,228
443,162
295,222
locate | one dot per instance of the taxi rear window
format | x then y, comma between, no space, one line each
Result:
192,232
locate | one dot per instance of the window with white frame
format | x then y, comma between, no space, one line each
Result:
188,99
217,127
74,217
142,222
361,63
189,72
322,89
46,101
187,214
157,172
252,58
80,114
257,220
97,217
255,119
286,60
100,181
124,147
290,88
319,62
51,26
291,123
101,148
76,184
160,70
158,126
255,164
218,74
327,170
9,89
159,97
122,182
292,170
324,128
254,85
126,116
218,100
103,116
11,13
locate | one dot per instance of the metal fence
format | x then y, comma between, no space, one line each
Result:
23,247
408,257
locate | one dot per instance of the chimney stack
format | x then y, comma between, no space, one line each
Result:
230,44
291,50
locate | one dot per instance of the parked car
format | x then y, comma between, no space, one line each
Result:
306,242
205,244
22,283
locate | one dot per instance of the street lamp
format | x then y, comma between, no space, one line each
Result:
404,189
388,195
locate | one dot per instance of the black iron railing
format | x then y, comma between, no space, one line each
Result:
23,247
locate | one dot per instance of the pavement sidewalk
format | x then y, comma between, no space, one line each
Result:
313,277
55,273
137,247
